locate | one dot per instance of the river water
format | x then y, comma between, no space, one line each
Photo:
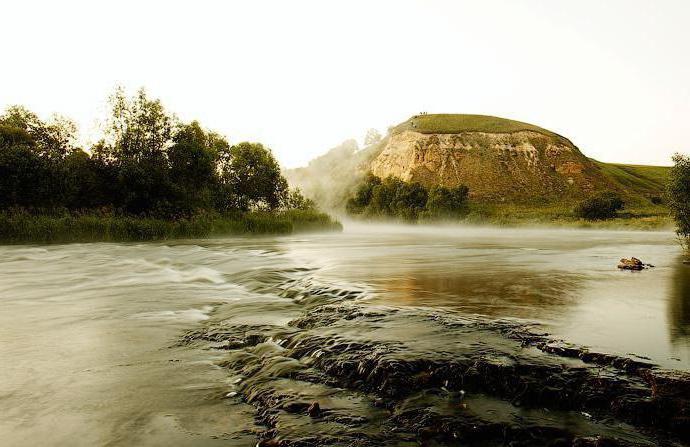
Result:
90,334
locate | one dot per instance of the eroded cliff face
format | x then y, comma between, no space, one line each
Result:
524,165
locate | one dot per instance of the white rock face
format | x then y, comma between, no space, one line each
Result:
494,165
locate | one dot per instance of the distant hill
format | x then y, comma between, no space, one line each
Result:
500,160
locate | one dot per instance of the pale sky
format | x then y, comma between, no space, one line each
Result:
302,76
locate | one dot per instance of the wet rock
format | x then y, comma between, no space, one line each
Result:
314,410
632,264
273,442
295,407
595,442
415,390
669,383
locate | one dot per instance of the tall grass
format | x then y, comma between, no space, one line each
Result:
28,228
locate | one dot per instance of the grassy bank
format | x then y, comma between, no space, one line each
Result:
640,217
27,228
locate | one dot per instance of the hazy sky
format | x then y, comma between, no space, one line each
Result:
301,76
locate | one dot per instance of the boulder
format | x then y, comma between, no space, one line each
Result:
632,264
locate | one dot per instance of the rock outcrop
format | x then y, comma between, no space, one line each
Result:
521,165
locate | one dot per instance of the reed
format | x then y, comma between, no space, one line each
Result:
20,227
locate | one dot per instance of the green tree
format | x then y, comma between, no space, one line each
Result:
138,127
193,158
447,202
295,200
22,172
408,200
85,181
252,175
138,133
362,197
31,157
146,164
678,194
52,140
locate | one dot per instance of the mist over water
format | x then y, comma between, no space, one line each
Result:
90,334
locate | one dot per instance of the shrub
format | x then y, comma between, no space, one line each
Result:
604,205
657,200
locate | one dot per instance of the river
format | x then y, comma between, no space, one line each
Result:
122,344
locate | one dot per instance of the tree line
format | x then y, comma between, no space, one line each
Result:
148,163
393,197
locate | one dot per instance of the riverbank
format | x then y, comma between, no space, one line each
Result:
27,228
637,217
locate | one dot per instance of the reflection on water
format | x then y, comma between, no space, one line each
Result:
88,332
679,305
509,292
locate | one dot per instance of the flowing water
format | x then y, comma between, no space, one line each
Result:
132,344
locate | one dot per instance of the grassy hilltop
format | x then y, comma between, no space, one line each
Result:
447,123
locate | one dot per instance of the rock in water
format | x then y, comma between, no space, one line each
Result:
632,264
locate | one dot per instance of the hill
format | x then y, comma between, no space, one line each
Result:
500,160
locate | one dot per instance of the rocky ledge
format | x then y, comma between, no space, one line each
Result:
357,375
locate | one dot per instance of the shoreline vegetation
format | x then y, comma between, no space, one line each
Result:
394,200
556,216
18,227
149,177
652,218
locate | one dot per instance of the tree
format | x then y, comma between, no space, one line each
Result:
52,140
678,194
22,172
138,127
31,157
295,200
362,197
85,181
604,205
372,137
394,197
447,202
408,199
147,164
251,173
192,158
138,133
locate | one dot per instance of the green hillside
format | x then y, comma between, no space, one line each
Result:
646,180
456,123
